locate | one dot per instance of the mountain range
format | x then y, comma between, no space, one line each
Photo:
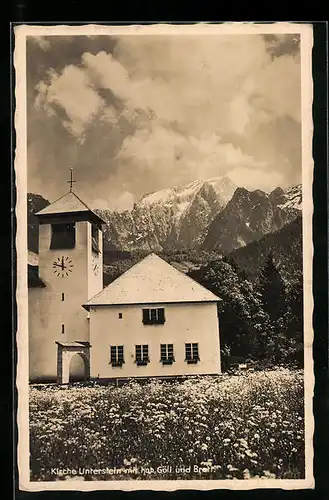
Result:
171,218
205,216
250,215
212,215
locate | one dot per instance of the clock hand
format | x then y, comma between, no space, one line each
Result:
62,263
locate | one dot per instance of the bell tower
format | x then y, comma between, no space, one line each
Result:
71,269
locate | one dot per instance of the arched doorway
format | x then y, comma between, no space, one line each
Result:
77,368
73,361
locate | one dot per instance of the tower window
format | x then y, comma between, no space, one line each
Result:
63,297
63,236
94,239
120,315
62,328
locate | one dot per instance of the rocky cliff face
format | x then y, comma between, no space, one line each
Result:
250,215
171,218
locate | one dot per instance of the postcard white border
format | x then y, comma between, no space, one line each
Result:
21,32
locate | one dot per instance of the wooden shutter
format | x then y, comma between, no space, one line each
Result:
195,352
188,351
146,316
170,351
145,352
163,351
138,352
161,316
113,354
120,353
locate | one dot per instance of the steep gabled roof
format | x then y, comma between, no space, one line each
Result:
69,203
152,280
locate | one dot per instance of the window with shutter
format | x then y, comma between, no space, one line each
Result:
167,354
153,316
142,354
116,355
192,353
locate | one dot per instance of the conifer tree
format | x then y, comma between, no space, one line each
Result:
272,290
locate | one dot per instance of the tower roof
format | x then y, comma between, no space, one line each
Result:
152,280
70,203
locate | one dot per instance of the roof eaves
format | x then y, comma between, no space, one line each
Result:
52,203
88,208
88,305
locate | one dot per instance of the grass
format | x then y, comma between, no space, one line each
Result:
227,427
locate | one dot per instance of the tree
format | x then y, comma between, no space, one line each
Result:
294,324
236,310
272,290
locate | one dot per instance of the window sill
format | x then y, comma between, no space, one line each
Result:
116,364
146,323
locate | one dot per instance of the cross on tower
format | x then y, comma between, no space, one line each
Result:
71,181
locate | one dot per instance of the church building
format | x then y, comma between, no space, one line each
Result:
152,321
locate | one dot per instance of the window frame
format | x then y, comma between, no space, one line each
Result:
151,316
192,352
118,359
144,357
167,355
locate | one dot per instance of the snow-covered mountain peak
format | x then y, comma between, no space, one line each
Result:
173,217
222,186
292,198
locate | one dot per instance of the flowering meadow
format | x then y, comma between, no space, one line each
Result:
249,425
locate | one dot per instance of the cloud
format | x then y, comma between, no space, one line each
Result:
159,152
41,42
251,178
71,91
125,201
158,111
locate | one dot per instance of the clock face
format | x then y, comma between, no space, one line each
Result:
95,264
62,266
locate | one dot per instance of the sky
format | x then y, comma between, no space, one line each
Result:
136,114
